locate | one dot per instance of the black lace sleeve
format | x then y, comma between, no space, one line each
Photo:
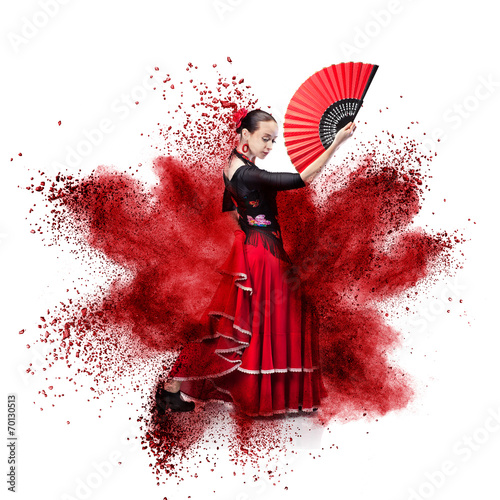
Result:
227,202
256,178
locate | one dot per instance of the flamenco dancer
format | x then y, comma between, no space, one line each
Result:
260,351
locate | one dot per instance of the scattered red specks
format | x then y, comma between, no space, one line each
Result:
21,332
229,60
59,122
20,154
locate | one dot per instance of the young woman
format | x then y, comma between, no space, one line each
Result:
260,351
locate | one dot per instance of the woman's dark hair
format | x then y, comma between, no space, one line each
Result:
252,119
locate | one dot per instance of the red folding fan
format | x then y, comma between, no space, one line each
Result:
326,102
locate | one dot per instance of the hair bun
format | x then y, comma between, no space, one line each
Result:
239,115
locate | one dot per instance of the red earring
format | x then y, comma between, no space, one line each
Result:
245,148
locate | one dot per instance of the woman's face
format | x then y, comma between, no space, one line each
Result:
261,142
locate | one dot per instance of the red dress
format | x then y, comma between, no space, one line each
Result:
260,350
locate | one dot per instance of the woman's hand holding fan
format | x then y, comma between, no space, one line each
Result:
344,133
309,173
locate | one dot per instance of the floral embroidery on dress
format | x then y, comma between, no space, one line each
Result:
260,220
254,203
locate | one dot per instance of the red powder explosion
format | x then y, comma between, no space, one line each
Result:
352,242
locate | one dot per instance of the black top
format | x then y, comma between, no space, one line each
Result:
252,191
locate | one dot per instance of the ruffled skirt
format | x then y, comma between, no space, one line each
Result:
260,351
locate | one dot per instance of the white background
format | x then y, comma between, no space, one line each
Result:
437,55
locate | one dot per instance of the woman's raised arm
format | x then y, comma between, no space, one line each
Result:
312,170
280,181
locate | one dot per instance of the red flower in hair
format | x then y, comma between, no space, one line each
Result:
239,115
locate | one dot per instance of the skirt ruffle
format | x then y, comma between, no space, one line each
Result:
261,349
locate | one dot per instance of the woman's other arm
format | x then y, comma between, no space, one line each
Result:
235,215
255,178
312,170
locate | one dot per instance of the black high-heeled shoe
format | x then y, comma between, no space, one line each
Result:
172,401
300,409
